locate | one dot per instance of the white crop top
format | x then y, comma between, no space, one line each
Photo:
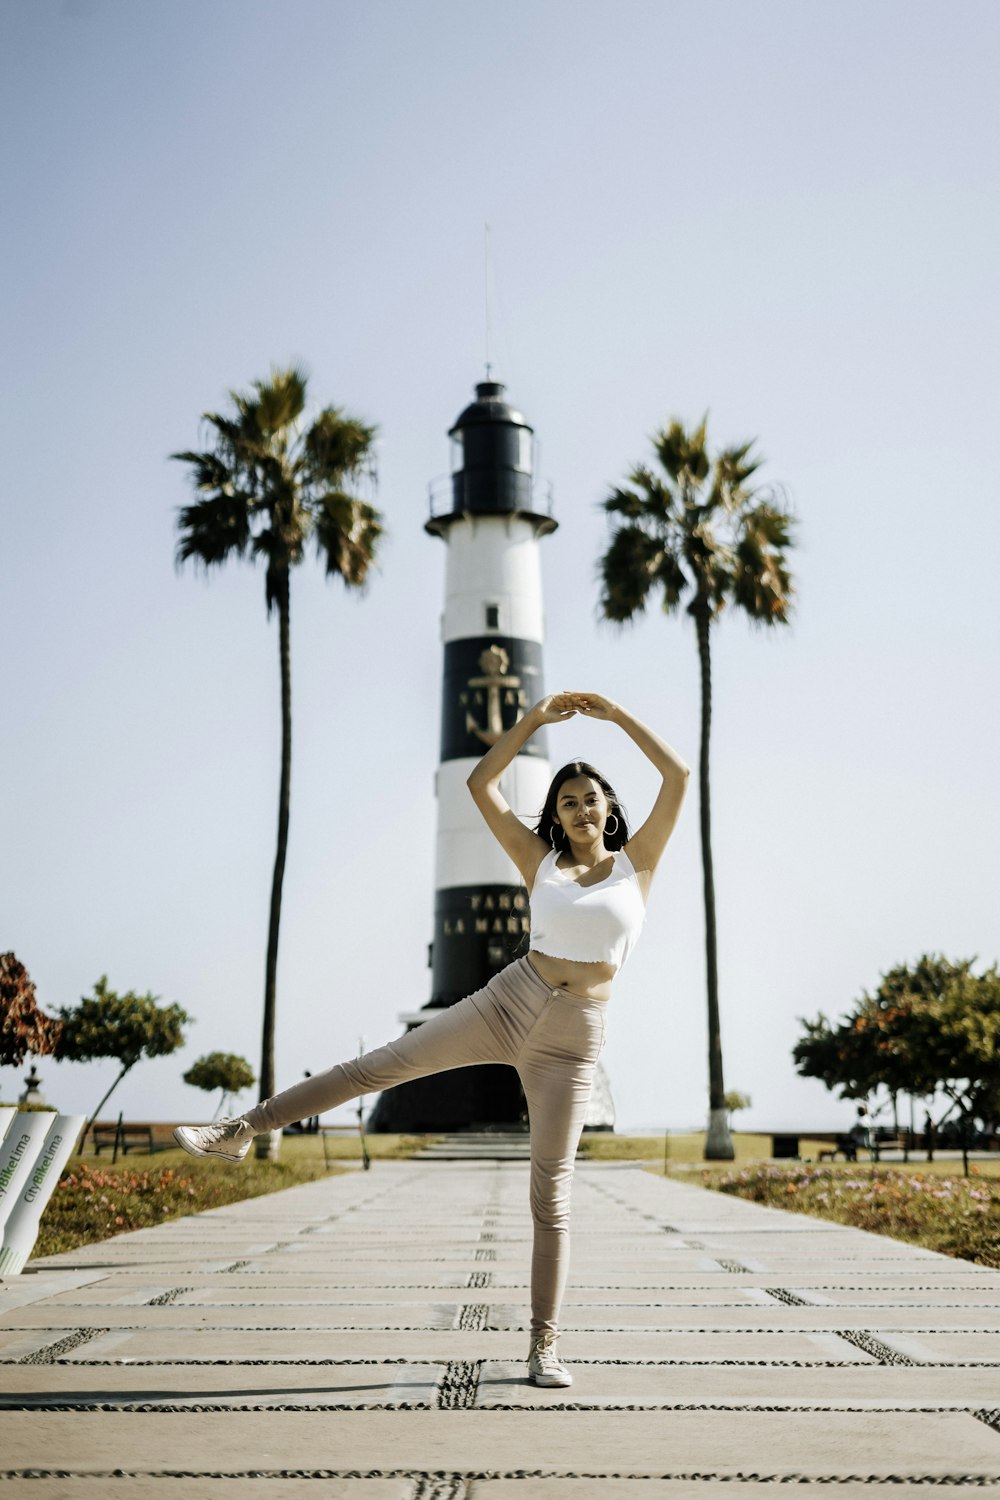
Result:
590,924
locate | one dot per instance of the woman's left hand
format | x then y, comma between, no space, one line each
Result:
594,706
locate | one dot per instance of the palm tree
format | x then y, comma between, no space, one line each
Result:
268,484
697,530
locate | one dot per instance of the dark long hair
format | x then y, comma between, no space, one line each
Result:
547,823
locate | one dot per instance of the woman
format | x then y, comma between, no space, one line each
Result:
545,1013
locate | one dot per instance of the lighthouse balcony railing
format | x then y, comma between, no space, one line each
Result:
442,500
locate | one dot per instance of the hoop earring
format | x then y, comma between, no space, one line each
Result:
552,838
614,830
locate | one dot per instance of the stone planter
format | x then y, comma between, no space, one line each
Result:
22,1143
35,1149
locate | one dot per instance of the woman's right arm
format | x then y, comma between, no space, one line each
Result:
525,848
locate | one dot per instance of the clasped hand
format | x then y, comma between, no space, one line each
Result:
559,706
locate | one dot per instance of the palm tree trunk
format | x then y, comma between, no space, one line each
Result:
266,1146
718,1141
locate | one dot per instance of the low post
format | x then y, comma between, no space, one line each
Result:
21,1228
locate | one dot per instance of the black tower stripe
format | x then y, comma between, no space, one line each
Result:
489,682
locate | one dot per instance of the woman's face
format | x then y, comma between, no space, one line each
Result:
582,809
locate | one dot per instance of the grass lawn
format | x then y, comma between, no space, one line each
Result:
95,1200
678,1150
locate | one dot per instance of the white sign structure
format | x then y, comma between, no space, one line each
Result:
35,1148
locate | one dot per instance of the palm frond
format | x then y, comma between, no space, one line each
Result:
213,528
627,572
672,578
279,401
348,532
762,584
623,502
769,524
338,447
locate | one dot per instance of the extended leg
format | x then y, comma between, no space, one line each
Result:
470,1032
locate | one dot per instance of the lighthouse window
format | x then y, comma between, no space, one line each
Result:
524,450
457,452
492,617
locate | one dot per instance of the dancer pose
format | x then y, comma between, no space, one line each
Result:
544,1013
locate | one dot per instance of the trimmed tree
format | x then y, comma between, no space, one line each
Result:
221,1070
930,1028
697,533
126,1027
734,1102
268,485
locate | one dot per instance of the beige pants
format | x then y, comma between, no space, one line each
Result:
552,1037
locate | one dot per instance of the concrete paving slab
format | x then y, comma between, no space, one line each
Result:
244,1488
764,1318
43,1286
321,1295
460,1344
110,1293
229,1386
682,1489
572,1443
878,1387
370,1315
16,1345
339,1281
946,1346
904,1297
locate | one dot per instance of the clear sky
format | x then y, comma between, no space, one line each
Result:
783,214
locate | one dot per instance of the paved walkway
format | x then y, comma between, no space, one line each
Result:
364,1337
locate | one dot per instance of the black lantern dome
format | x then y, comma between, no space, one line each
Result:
492,470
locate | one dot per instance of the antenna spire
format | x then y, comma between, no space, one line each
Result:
486,293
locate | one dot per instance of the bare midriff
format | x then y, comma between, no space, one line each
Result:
589,981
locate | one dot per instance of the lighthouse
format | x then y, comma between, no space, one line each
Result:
491,515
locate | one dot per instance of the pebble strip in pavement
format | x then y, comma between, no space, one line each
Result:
364,1337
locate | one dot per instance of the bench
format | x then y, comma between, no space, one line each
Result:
128,1137
843,1146
849,1146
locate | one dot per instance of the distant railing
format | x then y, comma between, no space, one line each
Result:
441,497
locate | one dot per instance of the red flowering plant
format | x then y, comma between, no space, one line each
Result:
24,1027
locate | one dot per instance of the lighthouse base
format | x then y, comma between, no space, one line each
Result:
484,1097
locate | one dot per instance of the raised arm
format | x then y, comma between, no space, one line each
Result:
647,844
525,848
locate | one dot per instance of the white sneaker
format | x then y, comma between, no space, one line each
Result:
230,1139
544,1364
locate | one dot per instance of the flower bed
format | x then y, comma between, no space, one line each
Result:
95,1202
955,1215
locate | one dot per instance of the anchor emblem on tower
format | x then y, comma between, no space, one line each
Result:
493,663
